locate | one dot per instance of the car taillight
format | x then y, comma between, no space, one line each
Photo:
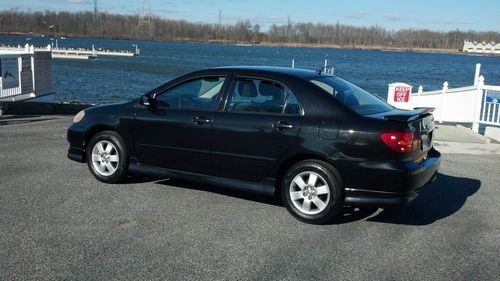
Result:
402,142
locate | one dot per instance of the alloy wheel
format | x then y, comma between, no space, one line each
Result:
105,158
309,192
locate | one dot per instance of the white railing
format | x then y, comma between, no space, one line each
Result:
26,73
10,80
477,104
490,113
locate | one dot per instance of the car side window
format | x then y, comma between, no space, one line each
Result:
261,96
197,94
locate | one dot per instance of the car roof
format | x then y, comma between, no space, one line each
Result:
287,71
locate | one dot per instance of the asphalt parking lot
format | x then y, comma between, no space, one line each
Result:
58,222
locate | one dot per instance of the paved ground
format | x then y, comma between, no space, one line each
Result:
451,139
58,222
458,134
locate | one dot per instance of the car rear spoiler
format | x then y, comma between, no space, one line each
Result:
411,115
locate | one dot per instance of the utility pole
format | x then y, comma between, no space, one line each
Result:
219,26
145,23
288,29
95,16
95,12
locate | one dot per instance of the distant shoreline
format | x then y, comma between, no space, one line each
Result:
271,44
362,47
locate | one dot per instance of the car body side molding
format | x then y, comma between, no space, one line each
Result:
265,188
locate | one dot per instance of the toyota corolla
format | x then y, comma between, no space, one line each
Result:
316,139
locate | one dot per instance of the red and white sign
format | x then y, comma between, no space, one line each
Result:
402,93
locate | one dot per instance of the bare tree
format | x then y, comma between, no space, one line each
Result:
125,27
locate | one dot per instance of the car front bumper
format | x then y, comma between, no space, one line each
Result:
385,184
76,139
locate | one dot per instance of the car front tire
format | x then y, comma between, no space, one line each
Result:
312,191
107,157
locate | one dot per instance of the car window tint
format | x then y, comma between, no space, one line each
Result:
261,96
351,95
200,93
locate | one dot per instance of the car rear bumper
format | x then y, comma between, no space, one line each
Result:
76,139
382,184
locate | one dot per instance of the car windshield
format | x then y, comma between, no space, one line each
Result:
352,96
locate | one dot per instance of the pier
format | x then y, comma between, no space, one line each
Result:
76,53
91,53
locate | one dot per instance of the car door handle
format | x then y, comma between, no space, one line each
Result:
282,126
200,120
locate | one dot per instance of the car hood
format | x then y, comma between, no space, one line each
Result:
109,109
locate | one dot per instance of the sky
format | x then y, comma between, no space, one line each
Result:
440,15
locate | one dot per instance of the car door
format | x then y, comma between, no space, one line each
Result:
174,130
260,120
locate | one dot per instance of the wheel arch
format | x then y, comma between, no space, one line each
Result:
91,133
293,159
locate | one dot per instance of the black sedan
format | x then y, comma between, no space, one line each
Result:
317,139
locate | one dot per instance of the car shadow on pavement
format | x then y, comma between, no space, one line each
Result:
139,178
436,201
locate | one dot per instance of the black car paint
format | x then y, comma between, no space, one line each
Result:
246,151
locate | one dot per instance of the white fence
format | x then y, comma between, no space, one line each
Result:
477,104
25,73
490,107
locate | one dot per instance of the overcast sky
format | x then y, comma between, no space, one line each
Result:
442,15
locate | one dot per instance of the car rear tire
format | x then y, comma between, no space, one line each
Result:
312,191
107,157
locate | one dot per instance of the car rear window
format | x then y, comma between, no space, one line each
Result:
352,96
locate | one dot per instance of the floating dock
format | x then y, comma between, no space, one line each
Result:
77,53
92,53
71,56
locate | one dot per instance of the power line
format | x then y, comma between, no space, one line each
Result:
95,12
145,23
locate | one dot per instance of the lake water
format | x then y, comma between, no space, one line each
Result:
112,79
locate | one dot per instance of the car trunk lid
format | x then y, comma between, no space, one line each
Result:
418,121
408,115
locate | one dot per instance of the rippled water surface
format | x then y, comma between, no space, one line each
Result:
112,79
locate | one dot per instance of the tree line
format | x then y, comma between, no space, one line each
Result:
118,26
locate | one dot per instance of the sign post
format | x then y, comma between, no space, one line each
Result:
399,95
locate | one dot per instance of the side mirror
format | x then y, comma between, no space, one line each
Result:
145,100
